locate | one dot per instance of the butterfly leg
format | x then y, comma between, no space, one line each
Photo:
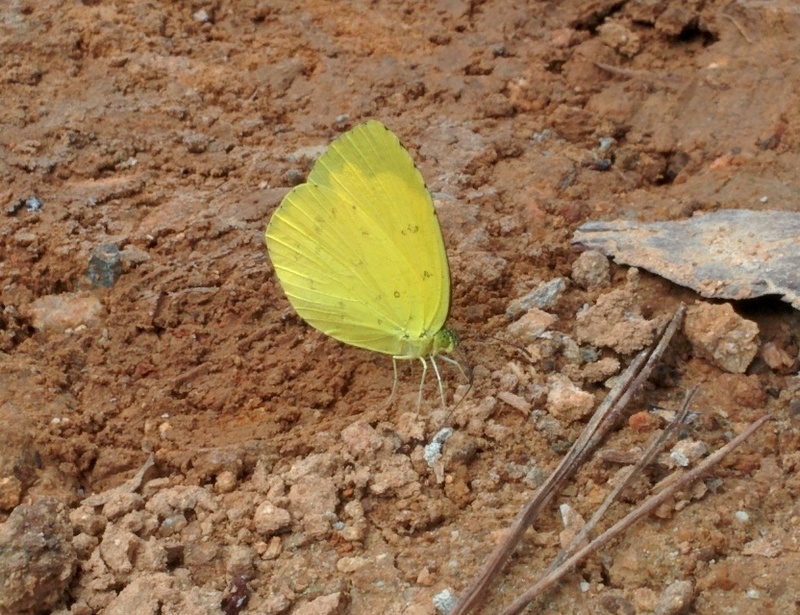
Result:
394,384
421,382
439,380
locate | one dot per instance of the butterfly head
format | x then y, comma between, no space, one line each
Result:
445,341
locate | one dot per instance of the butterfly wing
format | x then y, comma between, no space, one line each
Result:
358,248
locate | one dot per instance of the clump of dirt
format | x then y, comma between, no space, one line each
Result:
143,149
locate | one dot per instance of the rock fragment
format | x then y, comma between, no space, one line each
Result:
37,559
721,336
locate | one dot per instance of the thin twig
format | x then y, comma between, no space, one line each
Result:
641,377
599,425
652,449
615,530
739,27
643,75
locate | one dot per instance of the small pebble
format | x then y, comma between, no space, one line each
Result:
515,401
542,297
567,402
33,204
172,525
531,325
351,564
433,450
226,482
165,431
332,604
105,266
425,578
687,451
722,337
677,597
269,519
58,313
606,143
444,601
591,270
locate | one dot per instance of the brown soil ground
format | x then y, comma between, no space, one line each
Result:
173,129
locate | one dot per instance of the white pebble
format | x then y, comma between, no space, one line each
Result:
444,601
742,516
433,451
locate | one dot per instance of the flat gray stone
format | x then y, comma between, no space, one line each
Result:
727,254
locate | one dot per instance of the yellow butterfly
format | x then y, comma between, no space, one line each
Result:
359,252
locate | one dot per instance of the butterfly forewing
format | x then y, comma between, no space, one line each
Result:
358,248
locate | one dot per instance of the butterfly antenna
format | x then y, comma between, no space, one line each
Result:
465,360
518,347
467,373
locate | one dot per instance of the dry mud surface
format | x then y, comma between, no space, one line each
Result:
145,145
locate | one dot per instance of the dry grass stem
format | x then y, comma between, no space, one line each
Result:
648,506
601,422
